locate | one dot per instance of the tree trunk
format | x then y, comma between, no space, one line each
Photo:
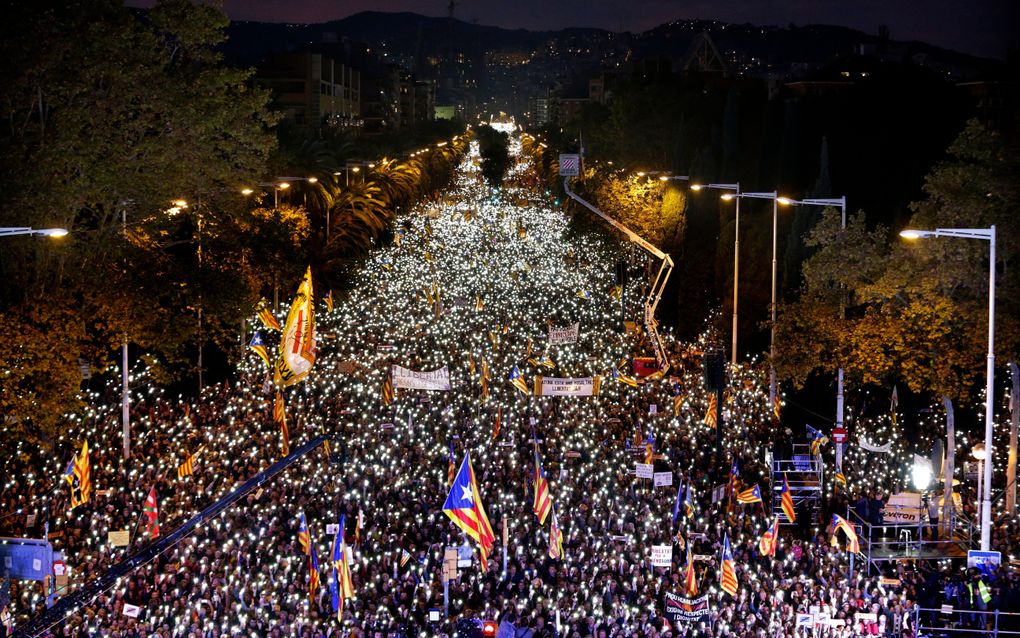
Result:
1014,404
949,468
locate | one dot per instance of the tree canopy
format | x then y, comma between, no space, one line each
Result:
916,311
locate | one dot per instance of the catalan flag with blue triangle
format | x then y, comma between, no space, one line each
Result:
728,571
840,523
304,537
342,586
259,347
517,381
313,573
464,507
543,499
750,495
786,501
679,499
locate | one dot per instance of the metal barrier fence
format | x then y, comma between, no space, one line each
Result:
937,623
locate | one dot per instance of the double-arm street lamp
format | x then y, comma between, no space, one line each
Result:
733,193
986,234
830,202
277,187
12,231
353,166
288,180
776,200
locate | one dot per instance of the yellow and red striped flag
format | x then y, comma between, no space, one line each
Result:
770,539
387,387
464,507
82,474
690,580
786,501
280,416
840,523
543,500
555,538
711,416
267,318
187,468
728,571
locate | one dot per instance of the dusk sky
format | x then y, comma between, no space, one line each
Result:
981,27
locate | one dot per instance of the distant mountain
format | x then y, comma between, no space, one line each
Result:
410,34
406,33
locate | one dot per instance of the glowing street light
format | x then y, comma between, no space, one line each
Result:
735,194
26,230
776,200
827,203
986,234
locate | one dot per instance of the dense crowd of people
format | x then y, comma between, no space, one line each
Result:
472,283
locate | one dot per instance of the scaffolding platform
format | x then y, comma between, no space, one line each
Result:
804,473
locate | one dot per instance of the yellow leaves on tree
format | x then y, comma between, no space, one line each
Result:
39,366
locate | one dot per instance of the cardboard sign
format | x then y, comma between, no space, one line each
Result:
450,564
565,335
805,620
662,555
663,479
120,538
892,582
718,493
131,611
332,528
653,409
644,470
866,617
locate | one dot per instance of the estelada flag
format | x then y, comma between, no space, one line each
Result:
464,507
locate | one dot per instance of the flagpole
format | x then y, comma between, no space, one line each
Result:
446,597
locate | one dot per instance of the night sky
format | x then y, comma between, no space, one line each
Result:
980,27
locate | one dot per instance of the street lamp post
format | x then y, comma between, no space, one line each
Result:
980,454
776,200
827,203
987,234
304,194
12,231
355,166
734,195
277,187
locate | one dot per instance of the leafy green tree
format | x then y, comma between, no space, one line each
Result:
112,118
915,311
493,147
